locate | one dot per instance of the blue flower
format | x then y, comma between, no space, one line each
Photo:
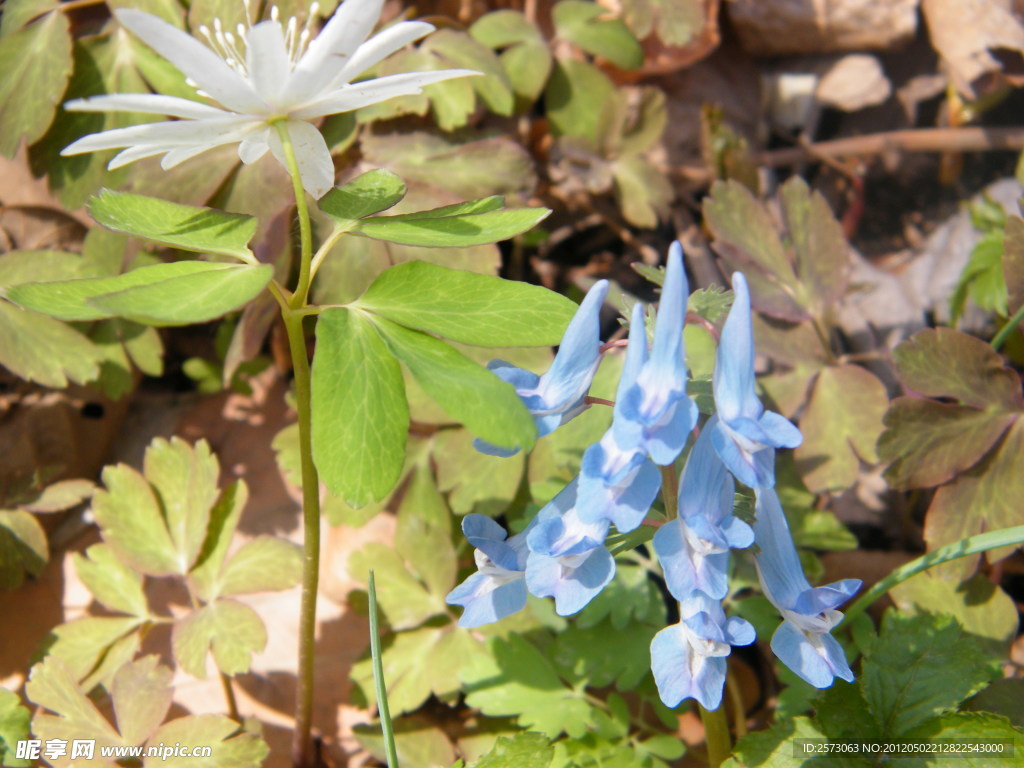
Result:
746,435
618,483
498,588
694,548
558,395
688,658
656,412
567,558
802,642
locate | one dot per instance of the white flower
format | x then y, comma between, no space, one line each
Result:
262,74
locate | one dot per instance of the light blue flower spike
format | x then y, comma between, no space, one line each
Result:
802,642
559,395
498,588
746,435
618,483
688,658
694,548
656,407
567,559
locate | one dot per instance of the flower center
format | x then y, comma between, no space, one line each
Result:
233,46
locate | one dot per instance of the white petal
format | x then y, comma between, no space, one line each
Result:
253,147
206,68
350,97
133,154
314,158
147,103
181,154
267,60
171,134
332,49
380,46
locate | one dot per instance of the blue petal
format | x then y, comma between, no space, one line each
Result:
626,496
705,487
667,353
737,533
572,586
739,631
483,605
827,598
817,666
493,450
666,441
733,379
578,356
780,431
778,563
737,461
673,665
520,378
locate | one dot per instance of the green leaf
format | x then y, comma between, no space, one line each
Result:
773,747
233,632
365,195
1003,697
970,728
524,750
132,523
474,309
82,644
818,243
403,598
410,681
980,606
191,228
43,350
468,393
500,29
929,443
577,97
112,583
18,267
52,686
141,692
458,49
452,229
603,655
841,425
942,362
264,564
192,298
205,575
746,237
179,293
982,278
361,419
466,168
527,67
984,498
642,191
515,679
36,62
474,481
921,667
14,720
231,748
185,479
423,533
418,741
23,547
587,25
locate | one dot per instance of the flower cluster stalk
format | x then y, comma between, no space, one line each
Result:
292,314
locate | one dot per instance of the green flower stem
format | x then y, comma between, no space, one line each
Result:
301,294
716,726
716,735
1006,330
378,679
293,313
969,546
229,696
